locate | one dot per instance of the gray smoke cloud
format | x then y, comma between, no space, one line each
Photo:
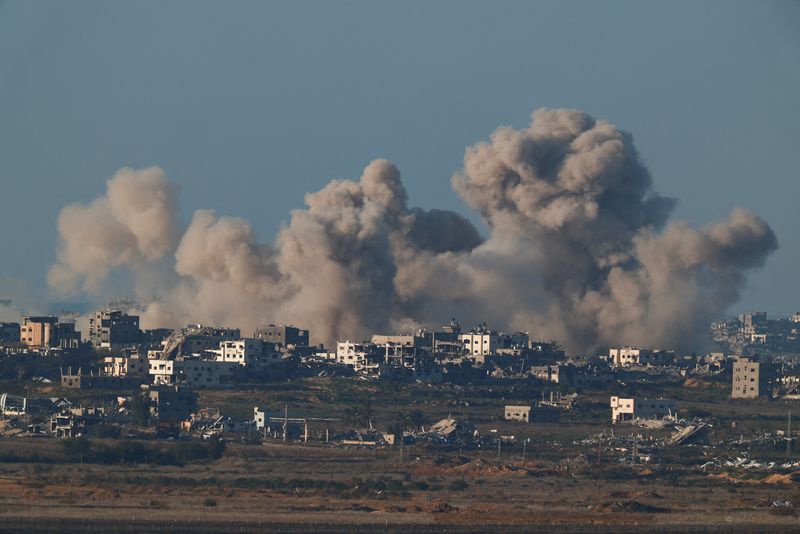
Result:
579,249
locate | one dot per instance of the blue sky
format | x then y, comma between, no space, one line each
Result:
249,105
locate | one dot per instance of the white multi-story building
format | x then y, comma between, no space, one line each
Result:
356,355
480,343
248,352
196,373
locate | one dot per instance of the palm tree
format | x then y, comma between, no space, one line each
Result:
418,419
353,416
403,419
366,411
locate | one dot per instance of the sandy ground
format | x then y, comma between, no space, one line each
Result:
260,487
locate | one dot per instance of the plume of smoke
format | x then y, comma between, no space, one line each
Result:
8,312
337,254
332,268
573,190
132,225
225,276
579,248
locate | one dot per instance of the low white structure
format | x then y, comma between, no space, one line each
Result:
518,413
627,409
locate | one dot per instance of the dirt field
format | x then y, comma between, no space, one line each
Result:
292,487
574,476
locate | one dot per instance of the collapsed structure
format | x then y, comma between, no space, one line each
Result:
637,408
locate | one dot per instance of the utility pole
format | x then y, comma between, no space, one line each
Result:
498,447
524,448
789,435
285,421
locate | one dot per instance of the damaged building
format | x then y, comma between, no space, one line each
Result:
626,409
517,413
283,336
114,329
633,356
47,331
193,372
97,380
753,378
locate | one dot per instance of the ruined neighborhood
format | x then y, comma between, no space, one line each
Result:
448,399
400,268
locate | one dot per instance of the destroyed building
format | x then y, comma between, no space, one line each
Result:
481,342
213,366
755,332
47,331
126,366
572,376
623,409
753,378
284,336
72,422
449,431
252,354
18,405
360,356
97,380
171,404
67,425
194,340
114,329
195,372
517,413
630,356
282,426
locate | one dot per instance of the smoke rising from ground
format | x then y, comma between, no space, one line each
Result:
132,225
579,249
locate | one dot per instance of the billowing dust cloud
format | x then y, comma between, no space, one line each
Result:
579,249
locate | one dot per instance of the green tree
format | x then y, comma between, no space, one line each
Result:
139,410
